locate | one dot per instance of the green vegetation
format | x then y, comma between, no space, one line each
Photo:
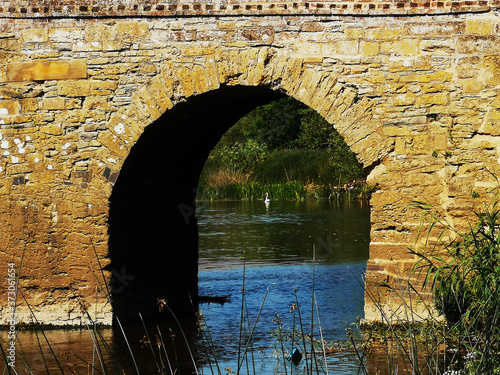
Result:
463,272
169,355
465,277
284,148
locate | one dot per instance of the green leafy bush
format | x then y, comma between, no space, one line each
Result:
301,165
465,275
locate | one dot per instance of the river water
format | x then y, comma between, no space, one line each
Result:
281,266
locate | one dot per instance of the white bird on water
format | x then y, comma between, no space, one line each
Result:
267,200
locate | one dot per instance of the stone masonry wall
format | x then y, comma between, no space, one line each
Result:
415,97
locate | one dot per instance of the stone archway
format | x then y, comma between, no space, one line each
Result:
414,94
152,226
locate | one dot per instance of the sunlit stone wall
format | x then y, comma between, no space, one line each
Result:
416,98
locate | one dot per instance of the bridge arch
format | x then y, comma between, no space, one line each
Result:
413,88
152,227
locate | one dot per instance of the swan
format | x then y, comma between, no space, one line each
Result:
267,200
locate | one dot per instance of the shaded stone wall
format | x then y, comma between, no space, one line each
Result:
416,98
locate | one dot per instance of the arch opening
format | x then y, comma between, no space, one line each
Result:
153,240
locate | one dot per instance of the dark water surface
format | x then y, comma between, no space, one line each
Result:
266,250
272,248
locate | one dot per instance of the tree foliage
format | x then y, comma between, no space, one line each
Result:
284,141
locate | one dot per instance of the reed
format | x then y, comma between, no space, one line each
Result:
165,357
462,270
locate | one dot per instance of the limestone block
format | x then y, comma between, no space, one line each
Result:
29,105
471,86
44,70
404,99
492,69
427,100
478,44
481,25
10,107
65,34
56,103
308,83
312,27
467,66
367,48
434,29
393,130
211,66
114,144
198,51
35,35
383,33
98,31
85,88
184,75
347,47
404,47
438,47
131,29
354,32
145,102
159,86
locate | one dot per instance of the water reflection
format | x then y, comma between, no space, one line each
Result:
276,245
284,232
272,250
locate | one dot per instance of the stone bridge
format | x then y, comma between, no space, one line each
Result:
108,111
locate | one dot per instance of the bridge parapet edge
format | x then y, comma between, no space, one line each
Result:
162,8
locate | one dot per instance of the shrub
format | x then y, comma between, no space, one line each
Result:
286,165
466,280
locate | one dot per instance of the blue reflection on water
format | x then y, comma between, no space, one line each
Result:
338,292
277,244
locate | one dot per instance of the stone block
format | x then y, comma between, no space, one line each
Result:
35,35
427,100
354,32
113,143
86,88
491,66
45,70
198,51
439,46
309,27
393,130
404,99
369,48
481,25
98,31
383,33
145,101
404,47
471,86
434,29
347,47
478,44
57,103
10,107
131,29
442,76
29,105
65,34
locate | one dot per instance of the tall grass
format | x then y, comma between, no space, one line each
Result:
165,356
462,270
292,190
288,190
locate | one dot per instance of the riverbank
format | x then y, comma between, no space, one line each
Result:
292,190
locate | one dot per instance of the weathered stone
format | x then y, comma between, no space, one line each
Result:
481,25
416,98
45,70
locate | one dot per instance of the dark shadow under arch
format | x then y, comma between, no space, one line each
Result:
153,237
